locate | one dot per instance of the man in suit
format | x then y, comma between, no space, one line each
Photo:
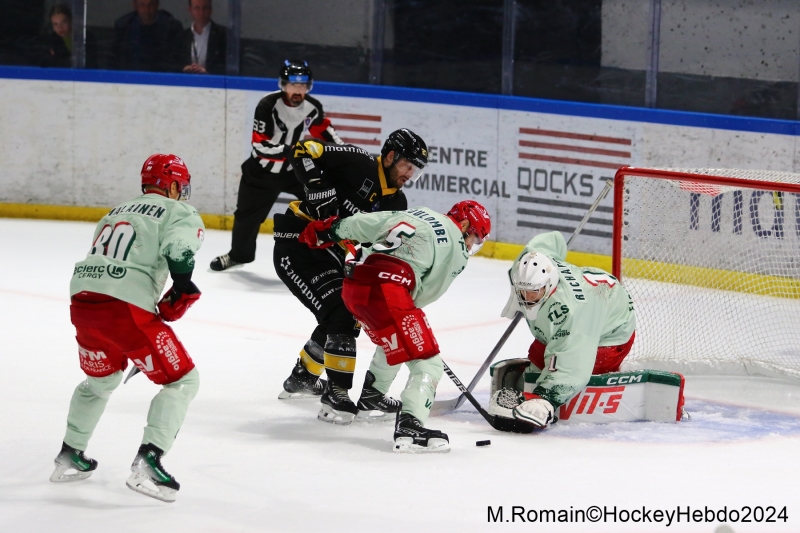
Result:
203,44
146,39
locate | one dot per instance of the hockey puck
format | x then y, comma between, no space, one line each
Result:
483,443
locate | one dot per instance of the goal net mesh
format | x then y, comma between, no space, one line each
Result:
713,269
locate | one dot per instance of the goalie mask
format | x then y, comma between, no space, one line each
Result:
534,277
161,170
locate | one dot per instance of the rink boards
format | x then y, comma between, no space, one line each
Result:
537,165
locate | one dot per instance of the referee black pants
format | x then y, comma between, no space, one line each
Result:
257,194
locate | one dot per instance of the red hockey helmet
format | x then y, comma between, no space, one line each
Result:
480,224
162,170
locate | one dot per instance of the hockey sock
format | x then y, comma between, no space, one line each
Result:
312,356
86,407
424,376
340,359
168,410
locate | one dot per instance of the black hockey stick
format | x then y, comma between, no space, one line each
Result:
449,405
497,422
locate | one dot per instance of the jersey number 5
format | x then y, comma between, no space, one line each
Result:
114,242
395,237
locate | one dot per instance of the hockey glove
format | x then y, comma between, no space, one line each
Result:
174,304
535,410
322,202
318,233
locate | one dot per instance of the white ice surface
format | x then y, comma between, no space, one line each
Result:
248,462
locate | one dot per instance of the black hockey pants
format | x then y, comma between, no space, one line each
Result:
315,277
257,194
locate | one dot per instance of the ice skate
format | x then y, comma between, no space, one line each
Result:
224,262
411,437
373,405
337,407
302,384
148,477
72,465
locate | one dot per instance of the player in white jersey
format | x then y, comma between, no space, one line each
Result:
117,314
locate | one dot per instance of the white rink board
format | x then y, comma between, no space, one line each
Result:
83,143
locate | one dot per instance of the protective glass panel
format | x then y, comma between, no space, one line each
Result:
444,44
155,36
736,57
26,38
332,36
582,50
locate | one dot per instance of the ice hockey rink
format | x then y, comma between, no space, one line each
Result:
248,462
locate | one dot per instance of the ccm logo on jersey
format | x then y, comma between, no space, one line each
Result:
397,278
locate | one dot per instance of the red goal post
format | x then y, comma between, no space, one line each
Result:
712,260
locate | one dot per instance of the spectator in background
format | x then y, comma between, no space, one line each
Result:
204,43
147,39
58,42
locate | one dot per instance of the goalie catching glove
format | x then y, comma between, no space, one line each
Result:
318,233
178,299
524,407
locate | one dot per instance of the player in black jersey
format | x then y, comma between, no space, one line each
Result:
280,119
339,180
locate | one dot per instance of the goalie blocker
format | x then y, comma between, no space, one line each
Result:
613,397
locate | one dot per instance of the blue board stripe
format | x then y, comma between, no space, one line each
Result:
510,103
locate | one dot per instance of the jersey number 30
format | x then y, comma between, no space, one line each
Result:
395,237
114,242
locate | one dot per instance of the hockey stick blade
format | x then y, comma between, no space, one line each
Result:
135,370
498,423
444,406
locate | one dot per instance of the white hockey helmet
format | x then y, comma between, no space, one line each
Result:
534,278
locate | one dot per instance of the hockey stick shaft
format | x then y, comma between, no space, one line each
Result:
492,355
135,370
448,405
466,393
590,212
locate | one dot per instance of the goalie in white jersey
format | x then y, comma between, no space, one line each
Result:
583,323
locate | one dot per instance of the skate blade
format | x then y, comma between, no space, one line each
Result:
61,475
376,416
301,395
230,268
406,445
332,416
142,484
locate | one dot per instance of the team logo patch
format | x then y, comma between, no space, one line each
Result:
116,272
314,148
168,349
201,235
413,331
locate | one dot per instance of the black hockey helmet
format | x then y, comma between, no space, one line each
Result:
294,71
407,144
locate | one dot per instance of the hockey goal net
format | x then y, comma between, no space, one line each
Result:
711,258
